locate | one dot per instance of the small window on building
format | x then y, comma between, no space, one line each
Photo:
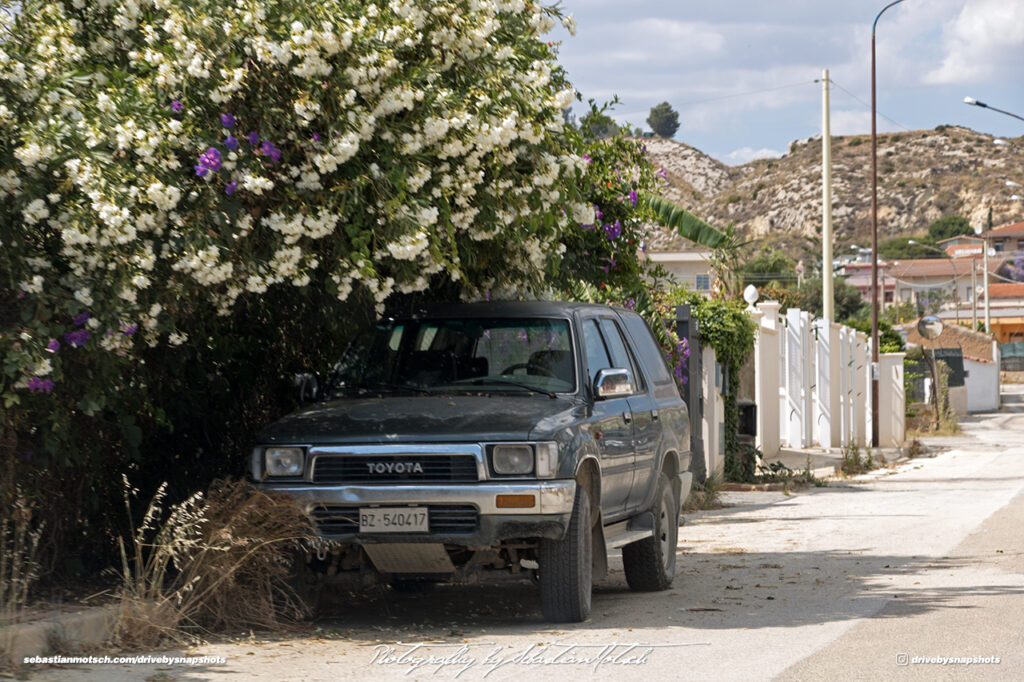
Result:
888,297
703,282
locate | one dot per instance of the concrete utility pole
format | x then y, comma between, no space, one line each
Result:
828,296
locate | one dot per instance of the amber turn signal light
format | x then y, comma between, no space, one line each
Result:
515,501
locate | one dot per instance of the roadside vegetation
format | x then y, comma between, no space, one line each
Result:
211,198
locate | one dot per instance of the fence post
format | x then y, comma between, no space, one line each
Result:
688,328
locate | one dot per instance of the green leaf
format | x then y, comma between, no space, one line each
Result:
675,217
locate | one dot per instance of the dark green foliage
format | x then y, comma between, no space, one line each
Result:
900,248
599,125
847,299
664,120
889,340
768,267
949,226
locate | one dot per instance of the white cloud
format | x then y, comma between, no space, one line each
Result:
984,42
744,155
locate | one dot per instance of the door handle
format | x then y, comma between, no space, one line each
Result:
654,415
627,417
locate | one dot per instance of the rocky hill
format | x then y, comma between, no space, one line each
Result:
923,175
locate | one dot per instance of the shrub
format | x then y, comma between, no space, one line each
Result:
218,560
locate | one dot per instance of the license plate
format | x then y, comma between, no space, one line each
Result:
393,520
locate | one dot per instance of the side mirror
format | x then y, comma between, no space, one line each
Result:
307,387
613,383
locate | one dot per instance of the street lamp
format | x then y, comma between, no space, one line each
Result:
975,103
984,250
874,239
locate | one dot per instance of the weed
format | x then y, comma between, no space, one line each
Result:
705,495
219,559
854,463
915,448
19,540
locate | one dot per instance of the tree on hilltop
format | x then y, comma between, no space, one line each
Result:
664,120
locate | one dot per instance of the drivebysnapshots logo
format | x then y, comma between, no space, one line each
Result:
903,659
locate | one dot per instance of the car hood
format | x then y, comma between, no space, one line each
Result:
398,419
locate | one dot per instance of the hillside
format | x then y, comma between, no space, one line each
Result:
923,175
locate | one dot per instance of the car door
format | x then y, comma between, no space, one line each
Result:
611,426
646,425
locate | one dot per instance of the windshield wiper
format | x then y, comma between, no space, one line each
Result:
386,386
509,382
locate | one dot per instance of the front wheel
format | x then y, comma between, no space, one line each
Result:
566,567
650,563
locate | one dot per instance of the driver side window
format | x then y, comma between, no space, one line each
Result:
597,353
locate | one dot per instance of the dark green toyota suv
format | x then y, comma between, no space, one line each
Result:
524,439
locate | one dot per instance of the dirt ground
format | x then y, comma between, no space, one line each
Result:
1011,377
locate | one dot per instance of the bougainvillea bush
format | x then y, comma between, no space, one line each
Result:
198,198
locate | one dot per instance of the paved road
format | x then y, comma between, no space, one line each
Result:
857,580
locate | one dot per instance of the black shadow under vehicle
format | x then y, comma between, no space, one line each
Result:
522,440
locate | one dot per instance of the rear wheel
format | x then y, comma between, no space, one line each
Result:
566,567
650,563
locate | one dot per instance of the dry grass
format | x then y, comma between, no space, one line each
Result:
218,561
705,495
19,540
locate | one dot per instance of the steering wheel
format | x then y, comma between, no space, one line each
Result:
538,369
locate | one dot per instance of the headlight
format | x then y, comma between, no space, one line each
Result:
512,459
284,461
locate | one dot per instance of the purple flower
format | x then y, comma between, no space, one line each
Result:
77,338
614,230
230,188
587,158
253,138
208,161
662,173
597,213
316,137
227,120
633,197
231,142
176,106
268,149
81,318
129,329
53,346
611,265
631,304
37,385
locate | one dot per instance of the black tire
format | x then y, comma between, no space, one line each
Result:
566,567
650,563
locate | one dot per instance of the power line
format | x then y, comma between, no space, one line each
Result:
865,104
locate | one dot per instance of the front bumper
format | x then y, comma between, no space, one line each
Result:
334,510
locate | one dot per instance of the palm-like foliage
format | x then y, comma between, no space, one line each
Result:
724,245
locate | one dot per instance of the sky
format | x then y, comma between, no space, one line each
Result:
742,73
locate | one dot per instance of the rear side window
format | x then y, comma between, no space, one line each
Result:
651,354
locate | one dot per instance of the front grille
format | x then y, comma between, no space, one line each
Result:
395,469
461,519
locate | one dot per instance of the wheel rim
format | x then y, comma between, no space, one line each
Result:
664,539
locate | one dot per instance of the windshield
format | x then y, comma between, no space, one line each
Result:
476,354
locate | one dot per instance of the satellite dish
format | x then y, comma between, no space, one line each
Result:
929,327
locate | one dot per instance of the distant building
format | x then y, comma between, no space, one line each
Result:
688,263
